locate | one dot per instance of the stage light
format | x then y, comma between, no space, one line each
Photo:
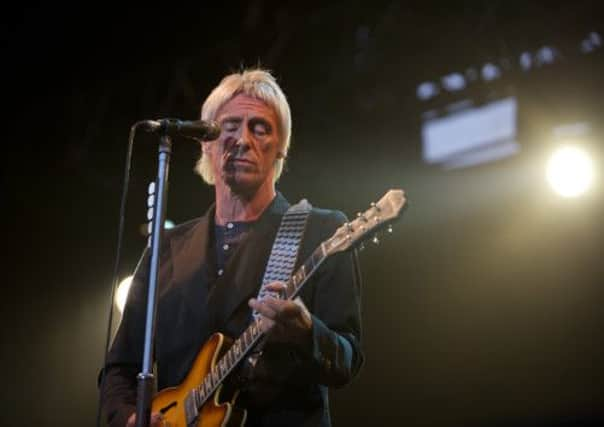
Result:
591,43
526,61
546,55
168,224
570,171
453,82
490,72
427,90
122,293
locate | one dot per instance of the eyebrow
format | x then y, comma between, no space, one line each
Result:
252,120
232,119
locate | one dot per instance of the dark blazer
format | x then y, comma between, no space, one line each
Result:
288,385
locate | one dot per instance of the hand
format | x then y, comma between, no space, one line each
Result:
285,320
157,420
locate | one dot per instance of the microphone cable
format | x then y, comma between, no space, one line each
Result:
116,265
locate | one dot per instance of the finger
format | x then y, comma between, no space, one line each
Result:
277,287
157,419
263,308
284,310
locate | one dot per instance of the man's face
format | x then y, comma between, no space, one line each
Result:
244,156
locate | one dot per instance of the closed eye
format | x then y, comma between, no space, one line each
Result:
260,127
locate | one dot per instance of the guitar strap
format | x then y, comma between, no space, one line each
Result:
282,259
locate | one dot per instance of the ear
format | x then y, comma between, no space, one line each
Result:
280,155
205,147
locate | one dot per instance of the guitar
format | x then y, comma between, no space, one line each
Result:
196,401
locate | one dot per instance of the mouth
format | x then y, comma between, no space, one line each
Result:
235,164
238,160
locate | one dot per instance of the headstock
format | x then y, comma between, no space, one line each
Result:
368,223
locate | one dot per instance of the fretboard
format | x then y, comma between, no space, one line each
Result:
253,333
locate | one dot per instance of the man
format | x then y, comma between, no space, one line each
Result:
211,269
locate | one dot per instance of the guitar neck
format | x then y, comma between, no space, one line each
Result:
254,332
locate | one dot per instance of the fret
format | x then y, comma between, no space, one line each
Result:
301,276
317,256
290,288
309,264
254,329
298,279
245,338
321,249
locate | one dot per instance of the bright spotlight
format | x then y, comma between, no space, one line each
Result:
570,171
122,293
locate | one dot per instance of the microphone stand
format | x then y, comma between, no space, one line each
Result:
145,378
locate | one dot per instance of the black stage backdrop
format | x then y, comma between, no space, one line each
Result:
482,309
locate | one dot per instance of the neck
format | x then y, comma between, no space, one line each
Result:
234,206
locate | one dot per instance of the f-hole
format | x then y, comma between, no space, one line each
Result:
167,408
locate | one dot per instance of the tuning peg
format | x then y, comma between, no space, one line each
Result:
376,207
361,216
151,188
375,240
150,200
150,214
348,226
390,228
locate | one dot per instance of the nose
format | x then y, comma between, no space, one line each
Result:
243,139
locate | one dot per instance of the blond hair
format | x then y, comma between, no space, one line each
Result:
256,83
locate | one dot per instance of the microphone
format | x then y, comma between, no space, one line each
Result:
198,129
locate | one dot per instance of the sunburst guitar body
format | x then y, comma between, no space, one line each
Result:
171,401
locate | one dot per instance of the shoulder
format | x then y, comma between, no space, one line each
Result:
326,220
329,215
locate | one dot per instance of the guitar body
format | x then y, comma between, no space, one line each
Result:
170,401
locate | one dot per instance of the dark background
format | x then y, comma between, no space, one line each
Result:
482,309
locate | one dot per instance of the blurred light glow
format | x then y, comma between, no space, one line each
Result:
168,224
526,61
453,82
122,293
546,55
490,72
427,90
570,171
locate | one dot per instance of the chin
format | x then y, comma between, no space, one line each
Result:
241,185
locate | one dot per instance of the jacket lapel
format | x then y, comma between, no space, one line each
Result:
189,251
